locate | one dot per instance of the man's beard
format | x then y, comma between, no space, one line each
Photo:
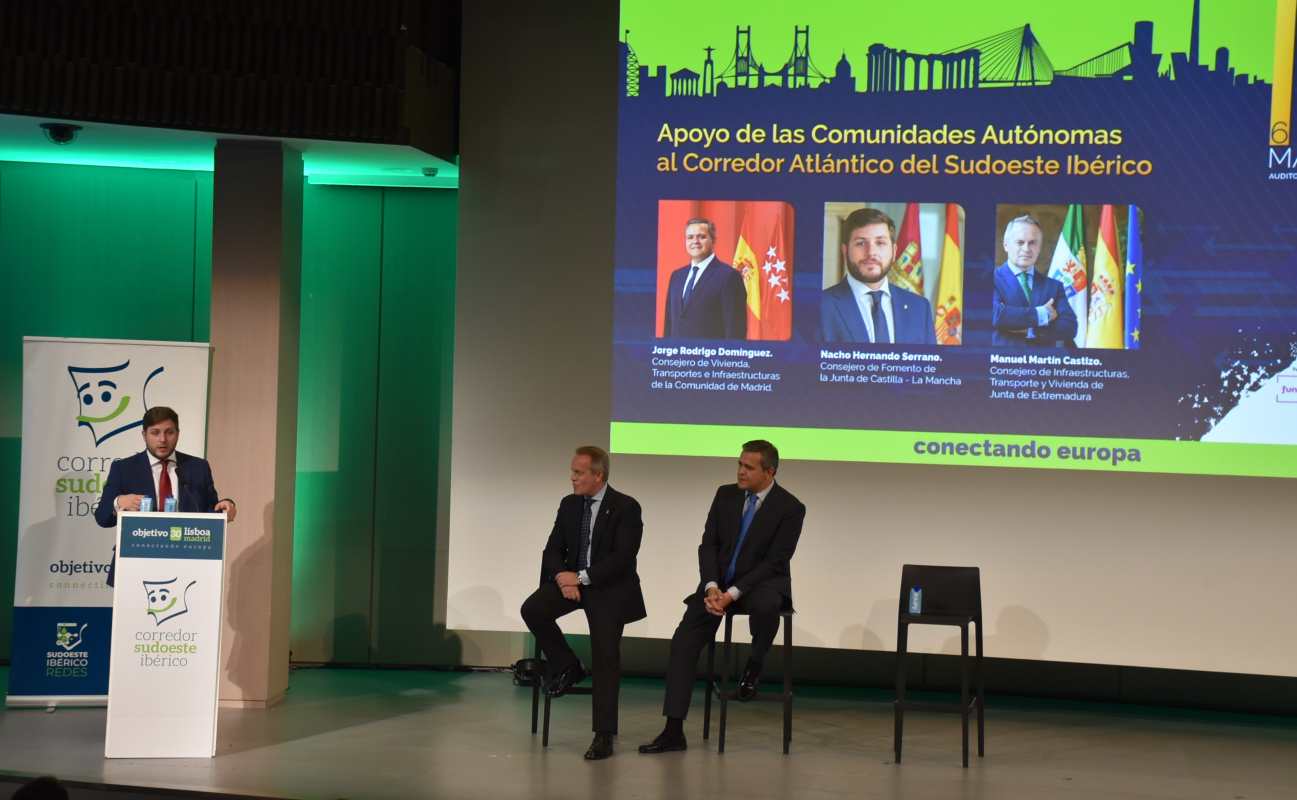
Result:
858,273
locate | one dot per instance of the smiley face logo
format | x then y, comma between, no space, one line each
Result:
107,398
166,599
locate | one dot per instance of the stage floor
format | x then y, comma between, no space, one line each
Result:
401,734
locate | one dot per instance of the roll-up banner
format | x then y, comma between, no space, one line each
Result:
83,405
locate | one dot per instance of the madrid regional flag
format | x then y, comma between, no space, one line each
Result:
907,272
764,255
950,283
1106,308
1069,268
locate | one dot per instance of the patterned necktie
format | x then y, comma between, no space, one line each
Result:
164,485
583,544
689,284
749,511
880,322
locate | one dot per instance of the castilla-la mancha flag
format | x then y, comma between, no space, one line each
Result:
764,255
907,271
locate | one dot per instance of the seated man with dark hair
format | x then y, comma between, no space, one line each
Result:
748,541
159,472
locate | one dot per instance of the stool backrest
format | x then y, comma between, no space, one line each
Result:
946,590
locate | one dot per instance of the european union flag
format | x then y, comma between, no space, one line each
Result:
1134,278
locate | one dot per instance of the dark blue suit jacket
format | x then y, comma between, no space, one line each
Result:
618,531
134,475
840,319
718,305
767,550
1011,312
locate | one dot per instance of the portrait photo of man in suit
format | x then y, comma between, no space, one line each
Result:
706,298
589,564
865,306
1030,309
159,472
748,541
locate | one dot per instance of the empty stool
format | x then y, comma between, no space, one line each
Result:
951,596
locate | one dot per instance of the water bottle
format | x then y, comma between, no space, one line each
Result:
146,504
169,505
916,599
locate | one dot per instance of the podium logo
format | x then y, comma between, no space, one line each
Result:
106,398
166,599
68,636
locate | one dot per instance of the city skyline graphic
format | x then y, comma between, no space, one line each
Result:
1012,58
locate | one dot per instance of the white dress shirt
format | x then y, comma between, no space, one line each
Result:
155,464
761,498
860,291
1042,313
702,267
597,497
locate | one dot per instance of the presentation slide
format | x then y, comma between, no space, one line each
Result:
1056,236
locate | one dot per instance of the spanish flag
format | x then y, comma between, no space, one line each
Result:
745,261
1106,323
950,283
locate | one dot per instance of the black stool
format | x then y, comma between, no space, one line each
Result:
536,703
536,700
951,596
718,685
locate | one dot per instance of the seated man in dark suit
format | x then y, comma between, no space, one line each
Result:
158,472
749,538
864,306
589,563
706,298
1031,309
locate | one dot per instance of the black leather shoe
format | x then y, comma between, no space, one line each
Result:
600,748
665,744
748,685
569,677
529,672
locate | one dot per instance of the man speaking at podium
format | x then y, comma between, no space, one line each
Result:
158,472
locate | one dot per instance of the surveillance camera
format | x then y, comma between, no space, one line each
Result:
429,172
60,132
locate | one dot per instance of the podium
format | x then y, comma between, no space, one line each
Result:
164,660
